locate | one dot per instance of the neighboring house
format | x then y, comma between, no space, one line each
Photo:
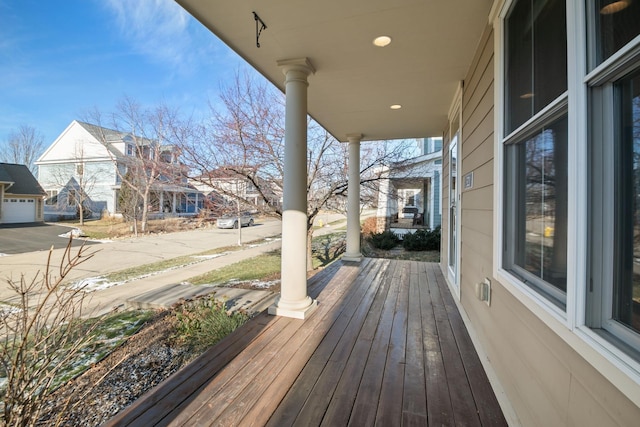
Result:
21,197
223,188
409,193
87,163
538,103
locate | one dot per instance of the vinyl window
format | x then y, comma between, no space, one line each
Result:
613,295
535,147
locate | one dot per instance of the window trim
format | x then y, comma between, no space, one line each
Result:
601,86
546,291
455,119
525,293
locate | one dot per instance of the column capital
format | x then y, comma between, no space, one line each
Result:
354,137
296,64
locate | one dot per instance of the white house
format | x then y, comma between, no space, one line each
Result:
223,189
88,162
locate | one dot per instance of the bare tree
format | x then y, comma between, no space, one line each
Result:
153,161
23,146
245,137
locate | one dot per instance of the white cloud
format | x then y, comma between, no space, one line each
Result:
156,28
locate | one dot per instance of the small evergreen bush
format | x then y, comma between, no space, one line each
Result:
422,240
385,240
205,321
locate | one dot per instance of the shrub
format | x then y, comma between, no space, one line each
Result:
385,240
422,240
369,226
205,321
41,338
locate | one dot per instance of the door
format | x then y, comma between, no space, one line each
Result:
16,210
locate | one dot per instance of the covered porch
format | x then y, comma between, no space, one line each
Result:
386,345
175,200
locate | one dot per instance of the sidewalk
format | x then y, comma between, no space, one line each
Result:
166,288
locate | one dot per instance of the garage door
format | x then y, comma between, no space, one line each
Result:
15,209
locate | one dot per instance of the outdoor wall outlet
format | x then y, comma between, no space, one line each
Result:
483,291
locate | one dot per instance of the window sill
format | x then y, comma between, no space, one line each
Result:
622,368
544,309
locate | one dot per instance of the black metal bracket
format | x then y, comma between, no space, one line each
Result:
260,25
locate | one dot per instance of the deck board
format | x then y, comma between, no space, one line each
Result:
386,346
347,329
439,410
390,402
339,410
414,410
368,395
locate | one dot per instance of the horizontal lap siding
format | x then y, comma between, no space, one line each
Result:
546,381
523,364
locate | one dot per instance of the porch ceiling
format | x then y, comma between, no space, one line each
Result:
355,83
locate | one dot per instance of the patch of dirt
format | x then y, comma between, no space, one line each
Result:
143,361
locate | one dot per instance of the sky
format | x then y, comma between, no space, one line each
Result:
60,59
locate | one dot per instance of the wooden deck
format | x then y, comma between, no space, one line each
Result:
386,346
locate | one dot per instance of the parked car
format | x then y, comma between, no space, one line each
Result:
231,220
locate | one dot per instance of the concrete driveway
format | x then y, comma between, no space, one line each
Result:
33,237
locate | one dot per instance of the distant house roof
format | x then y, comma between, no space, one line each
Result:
21,178
103,134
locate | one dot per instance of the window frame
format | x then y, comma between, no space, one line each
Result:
601,84
72,197
50,195
553,112
547,115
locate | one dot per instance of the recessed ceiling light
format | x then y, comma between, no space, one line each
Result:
396,107
527,95
382,41
615,6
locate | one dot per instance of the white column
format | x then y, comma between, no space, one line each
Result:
353,201
173,208
294,300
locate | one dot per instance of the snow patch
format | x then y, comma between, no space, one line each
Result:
257,284
75,233
212,256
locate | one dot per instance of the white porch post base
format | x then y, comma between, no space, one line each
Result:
301,310
352,257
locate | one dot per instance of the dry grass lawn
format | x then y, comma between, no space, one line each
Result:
113,228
